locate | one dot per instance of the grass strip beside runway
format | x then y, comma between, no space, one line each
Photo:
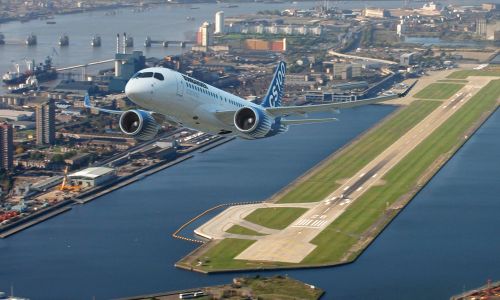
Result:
237,229
221,256
275,217
463,74
325,178
439,91
340,236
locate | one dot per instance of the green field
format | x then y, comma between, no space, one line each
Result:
335,243
237,229
275,217
439,91
453,80
355,156
221,256
463,74
282,288
343,233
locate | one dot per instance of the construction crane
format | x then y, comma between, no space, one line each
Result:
67,187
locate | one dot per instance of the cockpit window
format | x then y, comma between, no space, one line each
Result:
144,75
159,76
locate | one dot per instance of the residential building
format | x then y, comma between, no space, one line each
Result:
45,123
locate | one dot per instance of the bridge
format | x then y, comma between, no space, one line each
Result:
149,42
86,65
389,62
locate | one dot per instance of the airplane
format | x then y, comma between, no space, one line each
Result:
182,100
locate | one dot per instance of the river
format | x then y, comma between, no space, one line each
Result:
120,244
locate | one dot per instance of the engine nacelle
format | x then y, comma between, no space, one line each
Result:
253,122
139,124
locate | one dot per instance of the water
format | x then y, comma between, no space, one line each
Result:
165,22
444,240
430,41
120,244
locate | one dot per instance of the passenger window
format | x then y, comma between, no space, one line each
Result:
145,75
159,76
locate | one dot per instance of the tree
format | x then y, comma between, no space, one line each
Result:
20,150
57,159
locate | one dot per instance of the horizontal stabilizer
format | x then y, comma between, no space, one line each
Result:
307,121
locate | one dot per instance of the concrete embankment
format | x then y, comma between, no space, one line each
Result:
35,218
95,193
216,144
126,180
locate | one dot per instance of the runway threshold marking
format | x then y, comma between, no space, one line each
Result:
311,223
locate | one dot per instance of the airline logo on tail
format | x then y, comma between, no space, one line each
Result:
276,89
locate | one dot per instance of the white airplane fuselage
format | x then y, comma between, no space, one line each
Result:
183,99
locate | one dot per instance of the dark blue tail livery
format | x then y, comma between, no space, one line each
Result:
277,87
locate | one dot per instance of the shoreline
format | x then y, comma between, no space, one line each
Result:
100,191
375,229
435,170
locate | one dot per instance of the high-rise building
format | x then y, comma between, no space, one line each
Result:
6,146
219,23
205,35
46,123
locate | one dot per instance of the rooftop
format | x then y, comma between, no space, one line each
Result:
92,173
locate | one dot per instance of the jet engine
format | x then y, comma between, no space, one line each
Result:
139,124
253,122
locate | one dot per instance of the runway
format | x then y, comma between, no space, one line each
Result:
297,237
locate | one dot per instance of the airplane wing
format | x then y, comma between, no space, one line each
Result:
158,117
284,111
227,117
307,121
86,103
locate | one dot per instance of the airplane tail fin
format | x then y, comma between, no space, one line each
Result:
277,87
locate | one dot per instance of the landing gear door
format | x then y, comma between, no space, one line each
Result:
180,86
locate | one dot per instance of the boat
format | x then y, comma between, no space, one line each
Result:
3,296
96,41
231,6
129,41
30,84
194,7
31,40
190,18
43,72
51,22
64,40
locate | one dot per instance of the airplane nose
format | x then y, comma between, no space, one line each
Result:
137,91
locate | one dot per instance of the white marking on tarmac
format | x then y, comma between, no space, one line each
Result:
345,189
362,175
326,210
374,175
359,189
307,223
